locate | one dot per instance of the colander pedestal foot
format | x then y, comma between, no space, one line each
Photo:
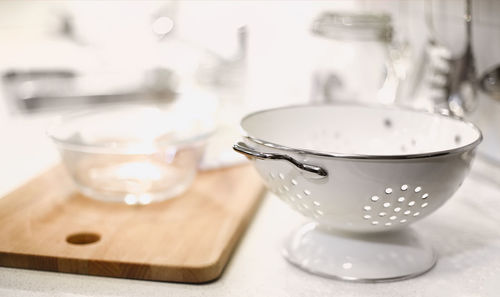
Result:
365,257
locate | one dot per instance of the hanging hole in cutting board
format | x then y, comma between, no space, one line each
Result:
83,238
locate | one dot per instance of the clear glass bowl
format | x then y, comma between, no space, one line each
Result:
131,154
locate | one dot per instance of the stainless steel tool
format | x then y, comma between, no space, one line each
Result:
490,82
463,89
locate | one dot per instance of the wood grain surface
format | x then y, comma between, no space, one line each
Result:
185,239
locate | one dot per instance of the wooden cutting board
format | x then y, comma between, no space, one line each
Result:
47,225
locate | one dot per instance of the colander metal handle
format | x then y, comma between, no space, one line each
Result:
244,149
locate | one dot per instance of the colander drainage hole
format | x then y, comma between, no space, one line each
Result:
404,187
411,203
386,204
281,175
83,238
375,198
424,204
425,196
367,208
382,214
307,192
294,182
401,199
418,189
388,190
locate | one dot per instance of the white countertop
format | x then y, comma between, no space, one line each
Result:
465,232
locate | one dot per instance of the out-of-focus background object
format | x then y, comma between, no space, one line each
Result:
355,60
426,87
91,48
490,82
488,113
80,54
462,93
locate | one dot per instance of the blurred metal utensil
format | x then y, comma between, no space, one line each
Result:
463,88
490,82
38,90
428,84
487,115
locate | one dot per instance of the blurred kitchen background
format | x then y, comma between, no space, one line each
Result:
234,57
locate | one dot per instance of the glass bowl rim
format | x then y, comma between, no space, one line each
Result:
133,149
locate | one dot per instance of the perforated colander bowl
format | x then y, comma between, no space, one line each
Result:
362,174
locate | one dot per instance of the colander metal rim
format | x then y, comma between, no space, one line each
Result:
430,154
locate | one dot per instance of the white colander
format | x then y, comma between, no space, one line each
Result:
362,174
